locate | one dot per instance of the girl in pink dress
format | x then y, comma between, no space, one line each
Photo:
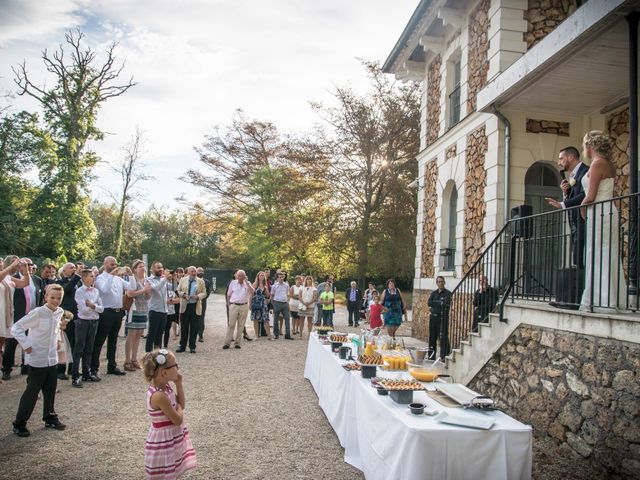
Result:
168,452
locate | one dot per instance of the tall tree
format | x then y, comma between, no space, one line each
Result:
131,171
266,189
23,146
374,139
81,85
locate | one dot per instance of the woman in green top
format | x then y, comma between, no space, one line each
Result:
326,300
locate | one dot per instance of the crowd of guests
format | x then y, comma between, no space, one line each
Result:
63,317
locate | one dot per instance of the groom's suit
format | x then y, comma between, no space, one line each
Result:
576,222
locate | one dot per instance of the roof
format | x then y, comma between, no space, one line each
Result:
406,33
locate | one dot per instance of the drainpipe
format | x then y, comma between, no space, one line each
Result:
633,19
507,160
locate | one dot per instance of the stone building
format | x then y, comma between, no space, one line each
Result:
506,85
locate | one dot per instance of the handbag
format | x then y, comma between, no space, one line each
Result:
127,302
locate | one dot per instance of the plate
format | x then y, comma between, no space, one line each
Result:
471,421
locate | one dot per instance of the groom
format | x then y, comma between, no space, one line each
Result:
573,194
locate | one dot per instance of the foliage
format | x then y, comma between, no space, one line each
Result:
58,217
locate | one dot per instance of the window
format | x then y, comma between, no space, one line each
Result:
450,215
454,95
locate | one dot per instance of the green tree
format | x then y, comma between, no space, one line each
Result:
23,146
373,141
81,86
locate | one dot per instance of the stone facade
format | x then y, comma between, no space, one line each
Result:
434,77
543,16
474,204
429,219
451,152
548,126
581,391
420,314
478,62
618,129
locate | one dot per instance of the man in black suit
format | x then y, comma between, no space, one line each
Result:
24,300
353,295
573,194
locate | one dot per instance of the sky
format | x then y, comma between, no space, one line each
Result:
198,61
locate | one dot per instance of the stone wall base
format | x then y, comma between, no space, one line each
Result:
579,391
420,314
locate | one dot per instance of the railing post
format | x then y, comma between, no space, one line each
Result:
633,19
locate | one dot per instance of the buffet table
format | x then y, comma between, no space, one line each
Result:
386,441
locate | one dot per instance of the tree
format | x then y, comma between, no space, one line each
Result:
131,173
23,146
266,188
70,108
373,140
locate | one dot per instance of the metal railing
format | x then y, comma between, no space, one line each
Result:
556,257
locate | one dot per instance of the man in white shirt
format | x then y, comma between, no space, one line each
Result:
111,288
238,294
280,300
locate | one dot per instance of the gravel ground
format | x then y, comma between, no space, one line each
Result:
251,415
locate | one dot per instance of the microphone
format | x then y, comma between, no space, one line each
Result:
563,174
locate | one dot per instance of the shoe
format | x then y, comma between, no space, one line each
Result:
21,431
201,340
247,338
193,350
238,347
6,376
128,366
76,382
55,423
63,376
288,337
275,337
136,365
357,325
225,347
116,371
181,350
92,378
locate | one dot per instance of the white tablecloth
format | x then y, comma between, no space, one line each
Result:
385,441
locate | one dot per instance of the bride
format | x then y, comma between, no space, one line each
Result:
604,277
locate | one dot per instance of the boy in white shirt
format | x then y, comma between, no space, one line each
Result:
89,309
41,357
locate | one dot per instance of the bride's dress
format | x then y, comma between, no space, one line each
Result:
603,267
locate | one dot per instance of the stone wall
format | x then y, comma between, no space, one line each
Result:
543,16
478,62
474,204
429,219
578,391
548,126
434,77
618,129
420,314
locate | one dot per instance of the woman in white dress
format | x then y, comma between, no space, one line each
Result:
605,287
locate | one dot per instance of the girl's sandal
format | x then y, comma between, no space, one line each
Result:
136,365
128,366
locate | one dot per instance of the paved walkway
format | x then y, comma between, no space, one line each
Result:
251,414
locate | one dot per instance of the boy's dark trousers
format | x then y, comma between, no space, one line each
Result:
83,349
108,327
157,324
45,379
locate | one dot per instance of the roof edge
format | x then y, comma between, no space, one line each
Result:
406,33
